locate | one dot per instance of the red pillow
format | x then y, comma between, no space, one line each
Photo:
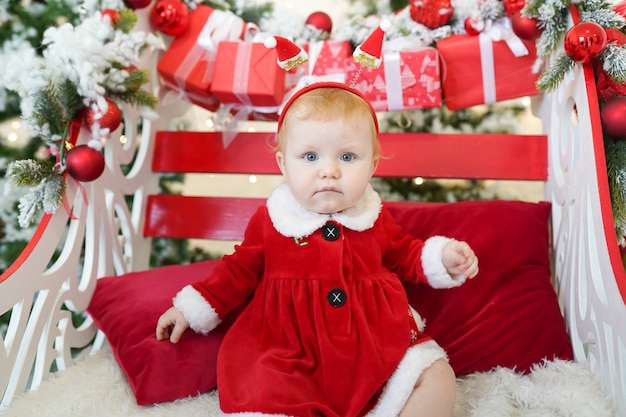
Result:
126,309
509,314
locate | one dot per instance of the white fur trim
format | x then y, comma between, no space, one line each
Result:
434,269
364,214
402,383
200,315
292,220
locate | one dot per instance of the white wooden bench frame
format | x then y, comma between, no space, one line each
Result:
588,273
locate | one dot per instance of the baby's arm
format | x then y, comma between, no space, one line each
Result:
171,325
459,259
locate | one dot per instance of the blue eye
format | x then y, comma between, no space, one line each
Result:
310,156
347,157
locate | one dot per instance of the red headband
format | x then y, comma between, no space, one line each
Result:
327,84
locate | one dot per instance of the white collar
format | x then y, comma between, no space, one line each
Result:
292,220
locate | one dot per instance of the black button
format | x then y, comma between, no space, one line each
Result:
330,231
337,297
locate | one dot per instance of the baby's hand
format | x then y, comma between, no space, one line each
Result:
172,325
459,258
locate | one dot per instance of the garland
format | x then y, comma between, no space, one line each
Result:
82,70
610,70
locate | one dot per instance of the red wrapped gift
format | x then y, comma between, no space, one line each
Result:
478,70
247,73
327,57
326,63
187,65
404,80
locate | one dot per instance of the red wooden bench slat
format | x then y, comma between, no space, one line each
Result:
470,156
219,218
178,216
493,156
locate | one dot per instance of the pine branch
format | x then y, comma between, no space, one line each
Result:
553,76
606,18
491,9
614,62
69,100
30,172
136,79
615,162
56,106
139,98
48,111
128,20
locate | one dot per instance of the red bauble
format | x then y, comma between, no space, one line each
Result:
585,41
114,16
513,6
320,21
170,17
431,13
137,4
474,26
526,28
111,119
613,116
84,163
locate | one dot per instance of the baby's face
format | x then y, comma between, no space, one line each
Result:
328,164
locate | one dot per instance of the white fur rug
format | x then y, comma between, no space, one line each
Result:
96,387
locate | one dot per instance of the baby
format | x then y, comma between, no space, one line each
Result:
327,330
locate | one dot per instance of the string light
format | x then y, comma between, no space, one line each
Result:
418,180
253,179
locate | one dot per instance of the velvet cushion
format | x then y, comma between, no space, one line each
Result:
507,316
126,309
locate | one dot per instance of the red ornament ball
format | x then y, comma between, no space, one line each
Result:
585,41
613,116
474,26
431,13
84,163
170,17
114,17
526,28
513,6
320,21
111,119
137,4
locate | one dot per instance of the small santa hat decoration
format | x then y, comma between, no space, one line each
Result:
290,55
369,53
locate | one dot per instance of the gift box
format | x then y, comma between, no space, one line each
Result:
478,70
188,64
327,57
405,80
326,62
247,73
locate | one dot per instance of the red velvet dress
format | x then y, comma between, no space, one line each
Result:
327,323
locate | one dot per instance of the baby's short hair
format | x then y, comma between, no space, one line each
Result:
328,103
